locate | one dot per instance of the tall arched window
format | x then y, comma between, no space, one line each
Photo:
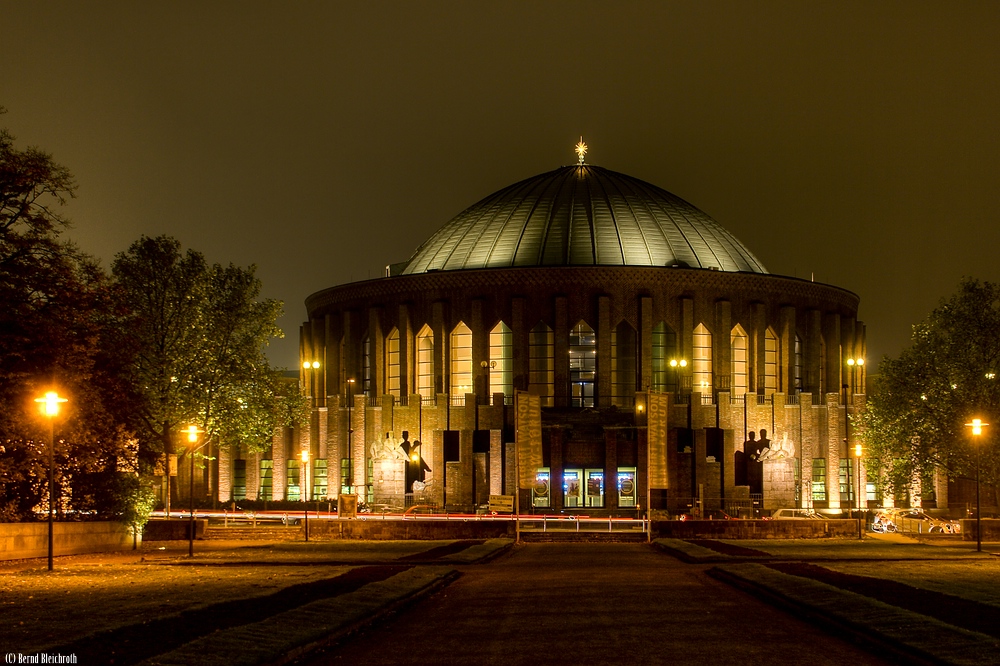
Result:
738,353
822,366
623,365
701,360
541,357
664,346
582,365
798,363
425,363
366,366
461,361
392,362
771,362
502,374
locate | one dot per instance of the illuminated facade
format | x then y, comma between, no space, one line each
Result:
604,296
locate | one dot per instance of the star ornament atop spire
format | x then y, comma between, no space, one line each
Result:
581,150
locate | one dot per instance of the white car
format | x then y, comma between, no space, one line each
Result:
797,514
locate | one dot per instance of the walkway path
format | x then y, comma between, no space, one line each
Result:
552,603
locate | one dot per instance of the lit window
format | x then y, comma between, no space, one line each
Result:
738,352
425,363
392,362
502,373
461,361
701,352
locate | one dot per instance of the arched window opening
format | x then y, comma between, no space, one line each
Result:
501,375
822,366
798,364
392,362
461,362
541,357
701,361
623,384
425,363
366,366
664,347
582,365
771,362
738,352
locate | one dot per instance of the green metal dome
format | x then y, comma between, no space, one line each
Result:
582,215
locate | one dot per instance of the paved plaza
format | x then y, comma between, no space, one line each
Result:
587,603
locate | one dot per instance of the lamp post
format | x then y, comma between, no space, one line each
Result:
305,488
192,438
311,379
676,364
855,364
977,426
487,366
857,455
49,404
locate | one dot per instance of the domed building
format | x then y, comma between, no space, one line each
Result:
586,341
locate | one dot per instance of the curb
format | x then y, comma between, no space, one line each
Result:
870,613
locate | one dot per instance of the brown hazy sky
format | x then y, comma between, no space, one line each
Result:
853,141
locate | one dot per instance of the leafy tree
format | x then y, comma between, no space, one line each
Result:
51,297
916,415
194,335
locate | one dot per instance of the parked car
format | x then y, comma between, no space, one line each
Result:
711,514
796,514
917,520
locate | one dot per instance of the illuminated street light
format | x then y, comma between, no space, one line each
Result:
977,426
305,488
676,364
310,380
192,438
857,455
49,404
856,365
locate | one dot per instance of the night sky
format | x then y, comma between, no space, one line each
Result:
853,142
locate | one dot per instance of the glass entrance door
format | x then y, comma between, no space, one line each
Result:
594,490
572,491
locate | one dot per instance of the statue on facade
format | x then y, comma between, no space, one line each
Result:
776,451
387,449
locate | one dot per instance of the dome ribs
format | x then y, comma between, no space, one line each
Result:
582,215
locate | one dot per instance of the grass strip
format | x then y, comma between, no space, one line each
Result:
483,552
948,608
132,643
690,552
285,636
442,551
905,635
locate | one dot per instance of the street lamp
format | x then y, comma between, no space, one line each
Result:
855,364
857,454
192,438
49,404
305,488
311,379
487,366
676,364
977,426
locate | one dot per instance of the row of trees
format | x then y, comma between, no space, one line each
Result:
917,414
163,340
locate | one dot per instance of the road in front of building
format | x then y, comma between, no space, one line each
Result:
585,603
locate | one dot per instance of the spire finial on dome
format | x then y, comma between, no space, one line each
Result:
581,150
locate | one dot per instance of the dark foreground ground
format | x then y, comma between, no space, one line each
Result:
585,603
874,601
